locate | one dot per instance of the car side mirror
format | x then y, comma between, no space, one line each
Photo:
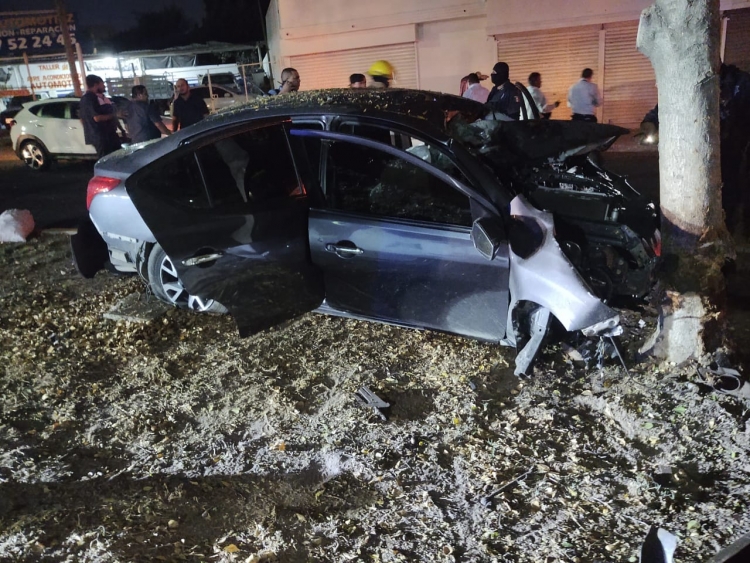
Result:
487,234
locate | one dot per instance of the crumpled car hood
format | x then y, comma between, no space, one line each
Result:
537,141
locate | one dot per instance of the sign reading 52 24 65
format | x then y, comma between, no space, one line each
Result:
33,33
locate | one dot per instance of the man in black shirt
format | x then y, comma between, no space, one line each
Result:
97,113
143,120
187,109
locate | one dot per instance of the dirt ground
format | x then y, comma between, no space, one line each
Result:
178,441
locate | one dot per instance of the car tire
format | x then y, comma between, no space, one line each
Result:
35,155
167,286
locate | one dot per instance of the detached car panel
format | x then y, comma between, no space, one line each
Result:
396,206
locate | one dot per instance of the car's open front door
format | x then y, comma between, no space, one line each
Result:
393,236
231,214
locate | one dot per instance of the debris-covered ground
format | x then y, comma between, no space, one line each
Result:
176,440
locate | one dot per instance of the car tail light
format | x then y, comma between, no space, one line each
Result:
99,185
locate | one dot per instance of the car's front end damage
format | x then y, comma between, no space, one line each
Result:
607,229
544,284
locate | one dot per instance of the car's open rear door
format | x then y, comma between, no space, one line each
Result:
231,213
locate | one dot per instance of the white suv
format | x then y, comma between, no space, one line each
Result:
49,130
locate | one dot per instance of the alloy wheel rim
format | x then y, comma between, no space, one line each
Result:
176,292
33,156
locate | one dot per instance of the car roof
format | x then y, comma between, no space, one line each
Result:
51,100
417,103
219,86
434,107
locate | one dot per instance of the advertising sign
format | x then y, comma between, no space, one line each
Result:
33,33
49,76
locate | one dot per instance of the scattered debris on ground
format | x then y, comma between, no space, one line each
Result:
176,440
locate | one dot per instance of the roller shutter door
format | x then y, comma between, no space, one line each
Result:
332,69
559,55
737,47
628,80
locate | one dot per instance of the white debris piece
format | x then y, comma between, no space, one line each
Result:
15,225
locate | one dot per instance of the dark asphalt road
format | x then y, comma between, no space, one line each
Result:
57,197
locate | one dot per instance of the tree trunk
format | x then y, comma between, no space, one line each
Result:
681,38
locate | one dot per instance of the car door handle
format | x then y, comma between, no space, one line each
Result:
344,249
72,127
202,259
38,125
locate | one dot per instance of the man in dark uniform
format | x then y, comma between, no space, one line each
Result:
143,119
187,109
504,97
97,113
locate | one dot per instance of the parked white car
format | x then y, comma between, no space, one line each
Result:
49,130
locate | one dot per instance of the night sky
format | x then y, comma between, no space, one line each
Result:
117,13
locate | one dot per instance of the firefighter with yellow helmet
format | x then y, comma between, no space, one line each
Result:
381,73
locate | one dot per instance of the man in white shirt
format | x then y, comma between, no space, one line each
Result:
584,98
476,91
540,100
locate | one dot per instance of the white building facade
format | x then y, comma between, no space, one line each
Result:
433,43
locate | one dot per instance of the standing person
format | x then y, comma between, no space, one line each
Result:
476,91
143,120
381,73
290,82
99,118
504,97
540,100
584,98
357,81
186,108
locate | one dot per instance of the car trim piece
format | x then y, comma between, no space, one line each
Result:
203,259
123,238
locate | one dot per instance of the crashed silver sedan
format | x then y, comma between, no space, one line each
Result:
398,206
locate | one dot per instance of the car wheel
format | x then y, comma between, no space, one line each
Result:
35,155
167,286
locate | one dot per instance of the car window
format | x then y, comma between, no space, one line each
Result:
36,110
75,110
371,182
202,92
405,142
55,110
248,168
176,180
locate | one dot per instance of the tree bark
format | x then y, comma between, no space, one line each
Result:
681,38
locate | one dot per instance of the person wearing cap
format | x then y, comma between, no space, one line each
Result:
381,73
504,97
357,81
476,91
